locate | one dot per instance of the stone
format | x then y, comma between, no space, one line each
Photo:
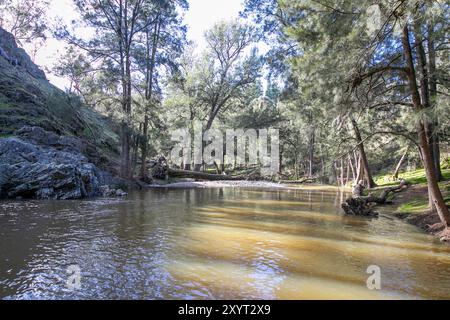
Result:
121,193
53,174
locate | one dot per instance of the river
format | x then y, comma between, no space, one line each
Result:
218,243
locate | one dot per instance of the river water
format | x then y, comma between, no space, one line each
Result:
220,243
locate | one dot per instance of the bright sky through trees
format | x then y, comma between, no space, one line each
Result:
201,16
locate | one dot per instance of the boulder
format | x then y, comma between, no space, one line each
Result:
121,193
31,171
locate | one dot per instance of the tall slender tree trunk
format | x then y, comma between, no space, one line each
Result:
209,123
424,72
433,96
352,167
123,125
399,164
424,146
362,153
347,176
311,152
127,130
151,54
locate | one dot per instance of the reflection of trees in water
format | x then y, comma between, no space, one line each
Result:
170,243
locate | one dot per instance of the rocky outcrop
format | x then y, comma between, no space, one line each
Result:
44,165
31,171
12,54
52,146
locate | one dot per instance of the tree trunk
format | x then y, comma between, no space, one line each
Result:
202,176
425,92
428,163
347,176
148,91
352,167
399,164
363,156
358,204
433,96
311,152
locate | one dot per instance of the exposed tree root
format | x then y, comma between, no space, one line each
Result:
441,231
360,205
444,235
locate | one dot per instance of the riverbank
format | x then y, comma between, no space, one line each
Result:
226,183
411,205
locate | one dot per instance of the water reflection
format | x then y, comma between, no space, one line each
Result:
214,243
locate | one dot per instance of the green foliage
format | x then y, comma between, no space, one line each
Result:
26,20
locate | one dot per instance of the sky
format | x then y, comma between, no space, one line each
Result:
202,14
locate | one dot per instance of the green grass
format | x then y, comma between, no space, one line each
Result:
417,177
414,206
412,177
419,205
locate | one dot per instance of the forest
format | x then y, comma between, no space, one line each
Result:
357,92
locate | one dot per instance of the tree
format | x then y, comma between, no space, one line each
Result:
165,35
116,25
225,70
386,60
26,20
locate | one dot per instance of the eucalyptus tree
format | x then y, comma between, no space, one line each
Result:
113,27
161,44
229,66
227,69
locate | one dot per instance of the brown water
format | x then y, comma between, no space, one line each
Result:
214,243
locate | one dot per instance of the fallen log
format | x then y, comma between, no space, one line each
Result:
306,180
177,173
361,205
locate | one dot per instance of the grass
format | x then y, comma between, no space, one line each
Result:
414,207
26,101
412,177
419,203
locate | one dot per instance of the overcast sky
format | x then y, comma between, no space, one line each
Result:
201,16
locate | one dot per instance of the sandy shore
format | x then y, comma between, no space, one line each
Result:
221,184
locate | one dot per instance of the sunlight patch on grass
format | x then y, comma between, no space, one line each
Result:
415,206
412,177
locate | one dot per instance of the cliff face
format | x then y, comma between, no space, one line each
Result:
51,145
16,56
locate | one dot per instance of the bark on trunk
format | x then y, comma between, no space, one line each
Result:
151,54
428,163
433,97
359,205
425,92
311,152
352,167
363,156
399,164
